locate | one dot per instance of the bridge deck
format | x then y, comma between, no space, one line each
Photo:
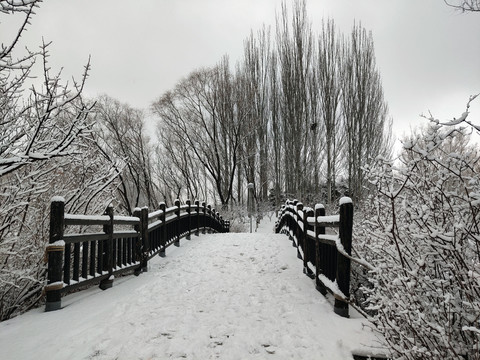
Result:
226,296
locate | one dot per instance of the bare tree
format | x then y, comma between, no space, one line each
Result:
329,83
276,128
121,136
201,114
46,149
364,108
256,72
295,57
465,5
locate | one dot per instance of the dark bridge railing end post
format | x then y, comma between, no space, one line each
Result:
163,236
204,222
108,250
319,249
197,210
177,226
189,212
54,251
343,263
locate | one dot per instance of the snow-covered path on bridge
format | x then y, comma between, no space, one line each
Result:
218,296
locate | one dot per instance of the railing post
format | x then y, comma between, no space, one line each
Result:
108,250
177,226
137,212
145,240
204,210
309,252
163,235
197,209
54,251
299,233
189,209
343,263
293,224
215,219
319,211
278,225
209,218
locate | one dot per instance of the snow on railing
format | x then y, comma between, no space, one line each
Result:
326,257
124,244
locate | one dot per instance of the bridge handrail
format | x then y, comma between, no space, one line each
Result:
125,244
326,257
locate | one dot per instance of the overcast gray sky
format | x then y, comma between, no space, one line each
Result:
428,54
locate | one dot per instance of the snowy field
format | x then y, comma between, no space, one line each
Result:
218,296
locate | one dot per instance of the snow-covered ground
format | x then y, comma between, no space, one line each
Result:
218,296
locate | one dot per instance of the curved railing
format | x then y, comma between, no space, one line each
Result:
97,248
325,251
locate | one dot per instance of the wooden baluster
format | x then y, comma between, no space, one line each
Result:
85,246
76,261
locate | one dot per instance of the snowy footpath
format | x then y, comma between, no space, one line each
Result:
218,296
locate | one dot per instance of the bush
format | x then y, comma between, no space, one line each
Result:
421,230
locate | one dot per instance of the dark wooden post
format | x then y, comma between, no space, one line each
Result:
177,225
319,230
55,249
343,263
204,210
108,250
189,210
293,223
209,218
163,230
138,245
299,233
145,240
308,244
213,220
197,209
278,226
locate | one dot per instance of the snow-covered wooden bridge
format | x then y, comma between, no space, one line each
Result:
218,296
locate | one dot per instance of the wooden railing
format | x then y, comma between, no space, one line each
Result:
98,248
326,253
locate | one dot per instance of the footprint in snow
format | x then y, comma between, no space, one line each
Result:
269,348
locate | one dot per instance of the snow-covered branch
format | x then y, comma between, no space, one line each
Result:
423,237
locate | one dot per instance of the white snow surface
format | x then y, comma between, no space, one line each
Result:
218,296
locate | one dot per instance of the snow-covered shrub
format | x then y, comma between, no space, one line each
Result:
421,230
238,217
46,149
